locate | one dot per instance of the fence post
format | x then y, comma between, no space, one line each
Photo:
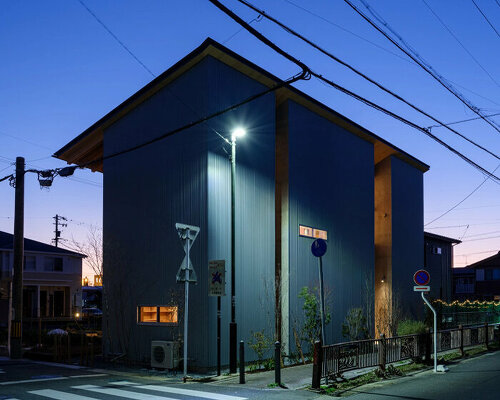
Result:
277,363
428,345
242,362
55,348
81,348
317,365
486,338
382,352
69,349
461,327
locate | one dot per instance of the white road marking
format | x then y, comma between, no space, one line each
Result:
188,392
123,383
57,395
87,375
33,380
121,393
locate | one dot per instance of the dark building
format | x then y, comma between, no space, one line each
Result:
438,261
479,281
303,171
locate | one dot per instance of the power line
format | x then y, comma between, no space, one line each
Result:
461,121
266,41
486,238
479,252
359,73
465,198
417,59
486,18
460,42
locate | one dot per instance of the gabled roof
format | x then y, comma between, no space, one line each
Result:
493,260
7,243
88,146
442,238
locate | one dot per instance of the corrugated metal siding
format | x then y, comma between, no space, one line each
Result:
255,168
178,180
407,233
331,187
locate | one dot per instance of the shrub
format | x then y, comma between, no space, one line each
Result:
411,327
311,330
355,326
260,344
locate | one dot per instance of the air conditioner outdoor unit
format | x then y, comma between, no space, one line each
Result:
164,354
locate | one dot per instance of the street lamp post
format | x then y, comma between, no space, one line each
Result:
232,325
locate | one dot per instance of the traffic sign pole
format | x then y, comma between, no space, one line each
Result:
322,300
435,330
186,310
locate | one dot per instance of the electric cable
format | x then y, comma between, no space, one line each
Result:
426,68
266,41
460,42
359,73
461,121
461,201
486,18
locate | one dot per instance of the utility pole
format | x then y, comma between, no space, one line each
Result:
17,287
57,232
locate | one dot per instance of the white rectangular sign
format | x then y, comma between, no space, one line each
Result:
217,278
421,288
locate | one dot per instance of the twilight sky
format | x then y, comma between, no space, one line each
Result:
61,71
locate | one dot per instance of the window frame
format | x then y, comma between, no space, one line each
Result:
158,315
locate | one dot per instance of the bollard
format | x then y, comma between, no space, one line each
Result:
461,340
382,352
317,365
277,363
242,362
81,348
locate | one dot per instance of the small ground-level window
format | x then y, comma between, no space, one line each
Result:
157,314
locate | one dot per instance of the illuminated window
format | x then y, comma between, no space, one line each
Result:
168,315
314,233
157,314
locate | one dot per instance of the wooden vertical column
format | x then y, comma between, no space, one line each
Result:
383,246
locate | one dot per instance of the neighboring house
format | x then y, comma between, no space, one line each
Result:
479,281
464,283
303,171
438,261
52,280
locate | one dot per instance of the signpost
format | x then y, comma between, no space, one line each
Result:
318,248
421,279
186,274
217,287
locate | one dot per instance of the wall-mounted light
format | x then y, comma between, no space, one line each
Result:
383,279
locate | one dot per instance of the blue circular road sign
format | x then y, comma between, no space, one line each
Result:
318,248
421,277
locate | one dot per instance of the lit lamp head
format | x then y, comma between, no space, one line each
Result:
237,133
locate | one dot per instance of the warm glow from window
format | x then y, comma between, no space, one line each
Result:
168,315
157,314
148,314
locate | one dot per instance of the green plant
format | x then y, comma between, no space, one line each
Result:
411,327
311,330
260,344
355,326
268,364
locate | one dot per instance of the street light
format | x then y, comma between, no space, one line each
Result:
236,133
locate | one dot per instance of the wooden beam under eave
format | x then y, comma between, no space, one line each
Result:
88,143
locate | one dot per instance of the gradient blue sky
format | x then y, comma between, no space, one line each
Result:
61,71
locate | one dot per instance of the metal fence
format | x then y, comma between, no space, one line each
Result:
338,358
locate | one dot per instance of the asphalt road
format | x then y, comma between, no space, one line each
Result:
476,378
30,380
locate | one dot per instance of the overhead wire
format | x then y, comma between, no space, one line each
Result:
361,74
461,201
462,121
460,42
336,86
486,18
418,60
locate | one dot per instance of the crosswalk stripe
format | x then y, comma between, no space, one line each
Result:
57,395
121,393
123,383
188,392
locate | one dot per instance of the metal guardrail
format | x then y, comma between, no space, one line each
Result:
332,360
